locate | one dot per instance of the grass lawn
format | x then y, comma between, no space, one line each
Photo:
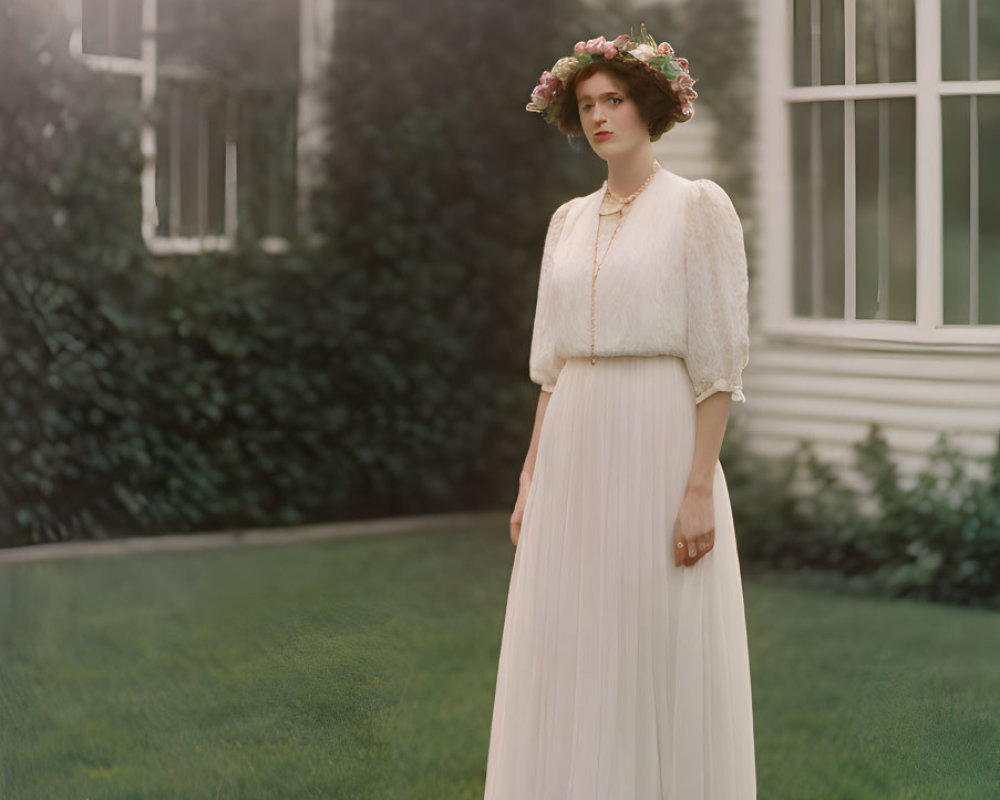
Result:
365,668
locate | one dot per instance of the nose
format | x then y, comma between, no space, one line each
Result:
597,113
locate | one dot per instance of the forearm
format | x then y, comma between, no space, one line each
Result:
529,462
712,416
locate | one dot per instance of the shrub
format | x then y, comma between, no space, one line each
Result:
938,539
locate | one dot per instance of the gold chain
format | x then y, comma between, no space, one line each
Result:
621,206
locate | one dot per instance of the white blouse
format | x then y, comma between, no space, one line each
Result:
674,282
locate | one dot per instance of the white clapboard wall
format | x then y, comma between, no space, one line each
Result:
829,395
688,149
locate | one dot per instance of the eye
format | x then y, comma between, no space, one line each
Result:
584,106
617,100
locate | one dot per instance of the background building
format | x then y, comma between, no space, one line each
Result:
877,292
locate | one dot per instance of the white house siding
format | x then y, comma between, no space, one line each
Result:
830,394
688,149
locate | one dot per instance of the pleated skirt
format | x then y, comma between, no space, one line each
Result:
621,676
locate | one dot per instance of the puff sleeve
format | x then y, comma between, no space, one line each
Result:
717,293
544,365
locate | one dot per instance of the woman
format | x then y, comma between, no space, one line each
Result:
623,671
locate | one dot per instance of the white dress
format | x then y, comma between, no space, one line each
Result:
621,676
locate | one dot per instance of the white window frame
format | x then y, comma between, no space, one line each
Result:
777,93
145,67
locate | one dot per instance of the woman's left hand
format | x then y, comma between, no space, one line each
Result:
694,529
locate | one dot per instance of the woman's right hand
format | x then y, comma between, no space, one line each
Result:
518,515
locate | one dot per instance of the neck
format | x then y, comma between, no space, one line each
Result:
629,171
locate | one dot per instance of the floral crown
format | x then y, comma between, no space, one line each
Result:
549,94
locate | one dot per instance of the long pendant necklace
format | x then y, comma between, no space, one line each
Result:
611,205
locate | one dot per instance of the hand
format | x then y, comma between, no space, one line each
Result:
517,516
694,528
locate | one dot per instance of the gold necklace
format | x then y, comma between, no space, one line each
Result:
611,204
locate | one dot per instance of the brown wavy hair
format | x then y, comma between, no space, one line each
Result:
658,106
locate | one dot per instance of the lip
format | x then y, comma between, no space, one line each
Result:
602,135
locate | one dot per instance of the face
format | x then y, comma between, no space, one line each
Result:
609,117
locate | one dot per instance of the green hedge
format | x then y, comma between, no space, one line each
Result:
934,536
69,239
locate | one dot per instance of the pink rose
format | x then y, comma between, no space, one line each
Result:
596,46
685,81
687,110
621,41
547,87
683,62
665,49
580,47
610,51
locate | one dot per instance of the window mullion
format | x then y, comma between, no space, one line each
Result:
973,210
850,213
850,165
973,166
929,165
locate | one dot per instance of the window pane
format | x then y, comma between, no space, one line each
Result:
190,161
886,41
971,240
824,53
818,167
185,128
214,161
964,22
956,116
126,28
802,32
989,40
989,210
955,40
96,38
886,209
112,27
832,41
